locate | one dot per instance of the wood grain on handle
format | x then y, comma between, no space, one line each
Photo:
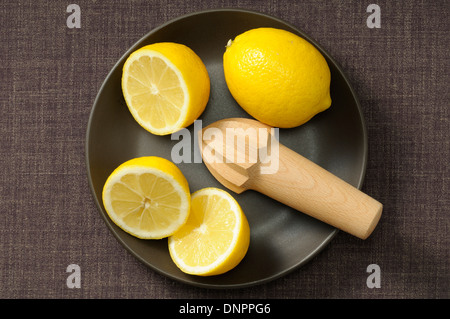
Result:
305,186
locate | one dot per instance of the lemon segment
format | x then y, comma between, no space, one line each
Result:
215,237
165,86
277,77
148,197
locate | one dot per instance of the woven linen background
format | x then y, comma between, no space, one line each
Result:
50,76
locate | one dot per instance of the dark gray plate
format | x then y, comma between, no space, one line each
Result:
282,239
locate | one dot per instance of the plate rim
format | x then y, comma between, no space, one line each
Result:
286,271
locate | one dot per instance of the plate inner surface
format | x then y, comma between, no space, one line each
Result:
282,239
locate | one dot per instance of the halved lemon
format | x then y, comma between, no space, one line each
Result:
166,87
215,237
147,197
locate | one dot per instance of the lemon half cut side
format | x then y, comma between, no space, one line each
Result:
148,197
166,87
215,237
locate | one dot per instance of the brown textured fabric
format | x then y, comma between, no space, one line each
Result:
50,76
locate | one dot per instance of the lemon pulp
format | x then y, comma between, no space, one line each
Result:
215,237
147,197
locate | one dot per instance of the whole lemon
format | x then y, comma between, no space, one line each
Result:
277,77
